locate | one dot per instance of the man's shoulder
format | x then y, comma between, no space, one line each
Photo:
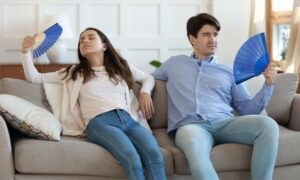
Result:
178,58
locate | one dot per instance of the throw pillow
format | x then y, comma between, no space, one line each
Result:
53,93
280,103
29,119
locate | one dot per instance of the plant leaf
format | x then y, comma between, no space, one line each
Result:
155,63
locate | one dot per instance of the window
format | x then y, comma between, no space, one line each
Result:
278,15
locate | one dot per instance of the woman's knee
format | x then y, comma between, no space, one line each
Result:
132,157
154,154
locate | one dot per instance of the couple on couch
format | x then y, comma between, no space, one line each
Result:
97,102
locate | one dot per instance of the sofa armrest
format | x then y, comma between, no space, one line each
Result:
7,169
294,123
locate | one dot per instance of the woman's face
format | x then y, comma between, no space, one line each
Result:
90,43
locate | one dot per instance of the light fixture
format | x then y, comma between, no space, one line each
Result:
56,54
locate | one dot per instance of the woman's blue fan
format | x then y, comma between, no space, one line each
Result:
251,59
45,40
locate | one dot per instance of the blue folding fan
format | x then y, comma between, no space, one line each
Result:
251,59
45,40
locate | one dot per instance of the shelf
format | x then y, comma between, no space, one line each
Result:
16,70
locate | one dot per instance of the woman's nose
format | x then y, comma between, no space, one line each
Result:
85,40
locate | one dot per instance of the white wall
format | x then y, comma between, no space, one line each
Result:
132,25
141,30
234,16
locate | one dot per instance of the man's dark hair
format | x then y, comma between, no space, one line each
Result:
195,23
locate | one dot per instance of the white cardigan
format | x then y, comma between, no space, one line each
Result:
70,118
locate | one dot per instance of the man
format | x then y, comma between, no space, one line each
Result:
201,97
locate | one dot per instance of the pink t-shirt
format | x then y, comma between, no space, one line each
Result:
101,95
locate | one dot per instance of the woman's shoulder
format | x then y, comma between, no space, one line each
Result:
66,72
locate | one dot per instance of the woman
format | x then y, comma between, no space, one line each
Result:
96,101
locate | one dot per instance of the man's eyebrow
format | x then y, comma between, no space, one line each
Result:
208,33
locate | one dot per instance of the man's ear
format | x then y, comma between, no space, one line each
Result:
192,39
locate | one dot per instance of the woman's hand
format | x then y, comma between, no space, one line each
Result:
28,42
270,73
146,105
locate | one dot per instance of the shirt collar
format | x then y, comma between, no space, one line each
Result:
208,59
99,68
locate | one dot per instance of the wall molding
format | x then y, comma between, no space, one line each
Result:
141,30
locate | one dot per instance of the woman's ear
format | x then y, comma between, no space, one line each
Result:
104,47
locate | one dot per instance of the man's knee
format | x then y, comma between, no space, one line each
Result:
268,125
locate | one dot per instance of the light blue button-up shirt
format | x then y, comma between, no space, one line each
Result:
204,90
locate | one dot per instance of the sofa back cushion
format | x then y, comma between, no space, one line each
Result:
279,106
31,92
159,95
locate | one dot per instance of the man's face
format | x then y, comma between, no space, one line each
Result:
205,44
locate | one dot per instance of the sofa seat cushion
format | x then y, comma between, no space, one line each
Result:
234,157
70,156
289,146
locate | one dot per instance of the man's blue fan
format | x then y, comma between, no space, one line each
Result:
45,40
251,59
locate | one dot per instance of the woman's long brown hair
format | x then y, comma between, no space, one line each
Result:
116,66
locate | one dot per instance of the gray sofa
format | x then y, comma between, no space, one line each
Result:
73,158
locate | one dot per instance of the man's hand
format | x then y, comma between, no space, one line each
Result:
270,73
28,42
146,105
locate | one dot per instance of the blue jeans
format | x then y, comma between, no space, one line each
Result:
129,143
197,140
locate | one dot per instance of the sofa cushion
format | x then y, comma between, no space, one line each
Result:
70,156
234,157
29,119
53,92
32,92
159,95
165,141
280,103
289,145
